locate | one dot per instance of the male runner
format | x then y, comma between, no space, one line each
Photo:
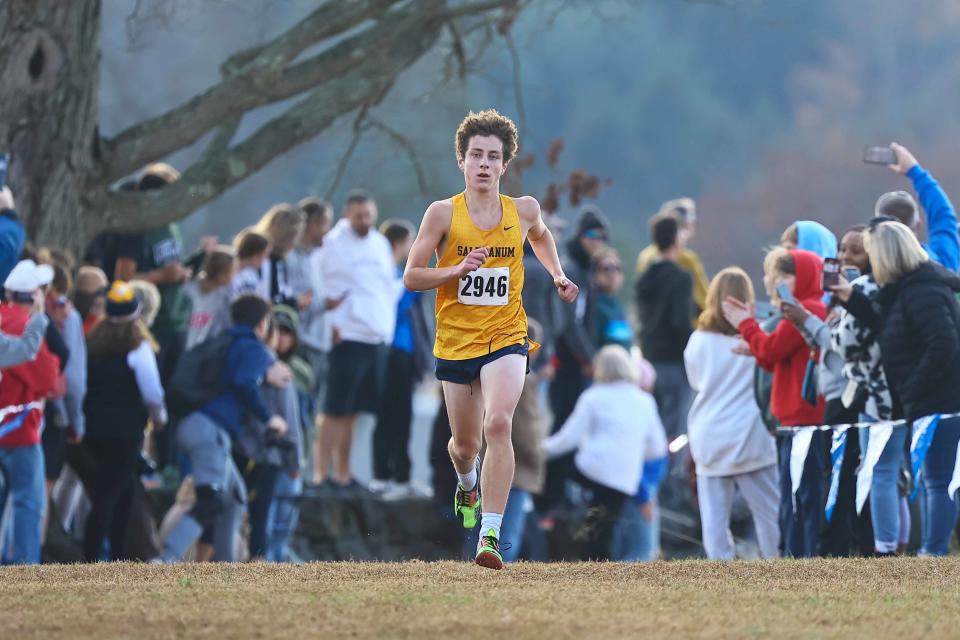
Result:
478,238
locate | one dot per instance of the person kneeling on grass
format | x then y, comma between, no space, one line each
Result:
206,434
614,428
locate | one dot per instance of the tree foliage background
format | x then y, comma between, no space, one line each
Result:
757,108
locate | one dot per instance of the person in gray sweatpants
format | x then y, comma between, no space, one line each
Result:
206,435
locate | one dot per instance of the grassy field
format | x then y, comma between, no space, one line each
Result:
896,598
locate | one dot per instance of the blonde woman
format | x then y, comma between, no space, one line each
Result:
728,441
282,225
614,428
918,330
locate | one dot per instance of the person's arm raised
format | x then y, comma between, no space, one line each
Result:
418,275
545,247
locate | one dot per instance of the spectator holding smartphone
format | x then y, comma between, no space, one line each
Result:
869,392
943,246
841,532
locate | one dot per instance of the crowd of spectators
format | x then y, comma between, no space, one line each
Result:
235,375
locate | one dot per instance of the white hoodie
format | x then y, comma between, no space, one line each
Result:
362,268
615,428
727,435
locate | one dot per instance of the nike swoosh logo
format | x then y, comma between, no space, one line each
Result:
508,228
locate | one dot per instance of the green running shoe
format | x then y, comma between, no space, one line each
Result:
466,504
488,552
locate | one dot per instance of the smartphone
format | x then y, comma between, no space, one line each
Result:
4,163
783,292
851,273
879,155
765,310
831,273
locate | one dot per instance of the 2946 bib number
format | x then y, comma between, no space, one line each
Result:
487,287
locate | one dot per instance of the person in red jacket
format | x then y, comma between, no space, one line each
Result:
23,390
786,354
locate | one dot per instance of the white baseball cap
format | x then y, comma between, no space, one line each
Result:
28,276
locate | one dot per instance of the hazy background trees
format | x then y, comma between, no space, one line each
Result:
757,108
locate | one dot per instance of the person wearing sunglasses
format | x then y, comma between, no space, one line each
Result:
575,345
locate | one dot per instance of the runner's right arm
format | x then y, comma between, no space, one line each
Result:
418,275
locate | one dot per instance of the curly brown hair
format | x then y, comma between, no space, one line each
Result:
487,123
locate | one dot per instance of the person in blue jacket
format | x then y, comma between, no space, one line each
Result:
206,435
943,245
12,235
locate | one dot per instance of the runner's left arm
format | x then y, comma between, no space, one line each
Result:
545,247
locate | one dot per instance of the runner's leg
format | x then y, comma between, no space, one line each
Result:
502,384
465,409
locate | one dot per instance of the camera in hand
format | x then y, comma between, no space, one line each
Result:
831,273
275,440
879,155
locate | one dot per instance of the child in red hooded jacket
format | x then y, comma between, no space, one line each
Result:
786,354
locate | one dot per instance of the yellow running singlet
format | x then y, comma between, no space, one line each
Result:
483,311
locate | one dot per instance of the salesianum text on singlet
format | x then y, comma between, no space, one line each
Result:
467,331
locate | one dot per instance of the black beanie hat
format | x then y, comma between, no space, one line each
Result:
591,218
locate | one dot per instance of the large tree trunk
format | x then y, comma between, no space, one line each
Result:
50,58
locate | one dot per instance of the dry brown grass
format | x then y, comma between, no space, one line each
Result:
897,598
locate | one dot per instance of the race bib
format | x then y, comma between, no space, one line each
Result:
485,287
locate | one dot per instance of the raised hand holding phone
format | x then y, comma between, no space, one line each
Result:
785,295
831,273
842,289
879,155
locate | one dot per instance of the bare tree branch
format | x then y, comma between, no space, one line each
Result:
265,78
222,138
348,154
407,146
366,83
517,80
329,19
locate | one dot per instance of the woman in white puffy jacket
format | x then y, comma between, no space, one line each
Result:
616,430
729,443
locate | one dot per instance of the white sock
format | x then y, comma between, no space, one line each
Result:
490,524
468,481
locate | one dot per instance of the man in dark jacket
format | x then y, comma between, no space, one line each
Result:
574,346
664,296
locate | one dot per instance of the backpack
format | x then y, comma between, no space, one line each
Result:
198,377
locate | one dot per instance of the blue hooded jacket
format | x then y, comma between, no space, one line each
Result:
12,239
814,237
